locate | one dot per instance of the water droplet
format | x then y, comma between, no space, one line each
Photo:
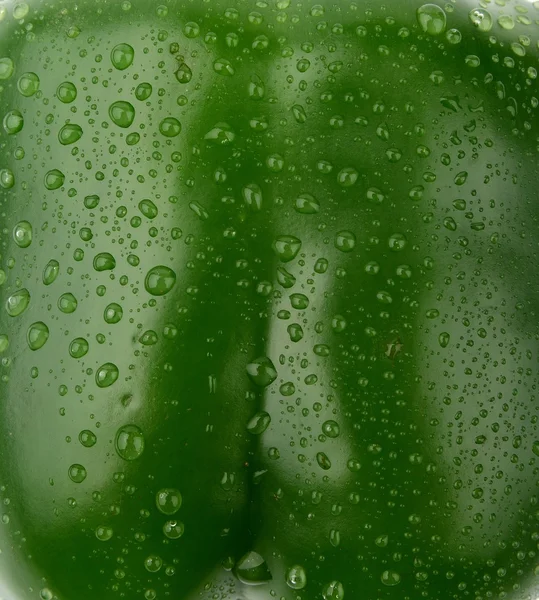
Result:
50,272
173,529
28,84
443,339
295,332
54,179
262,371
481,18
6,68
122,56
184,73
22,234
129,442
333,591
37,335
143,91
299,113
106,375
252,195
382,541
323,461
7,178
69,134
122,113
168,500
67,303
347,177
4,342
104,261
506,22
159,280
148,338
331,429
296,578
397,242
113,313
170,127
390,578
256,88
87,438
306,204
286,247
259,423
252,569
453,36
223,67
153,563
66,92
18,302
77,473
103,533
338,323
431,19
345,241
535,448
13,122
78,348
221,134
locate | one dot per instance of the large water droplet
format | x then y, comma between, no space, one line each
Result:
331,429
54,179
22,234
77,473
104,261
129,442
6,68
173,529
306,204
390,578
347,177
481,18
67,303
13,122
78,348
252,195
184,74
221,134
37,335
323,461
106,375
50,272
159,280
286,247
28,84
69,134
431,19
66,92
18,302
224,67
122,56
122,113
259,423
345,241
87,438
296,578
252,569
170,127
333,591
113,313
262,371
168,500
103,533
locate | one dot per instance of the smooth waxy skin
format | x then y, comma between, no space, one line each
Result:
401,463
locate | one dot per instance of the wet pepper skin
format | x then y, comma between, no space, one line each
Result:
292,246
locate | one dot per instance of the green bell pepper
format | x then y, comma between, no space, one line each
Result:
268,299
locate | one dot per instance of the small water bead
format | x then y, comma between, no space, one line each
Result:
143,91
173,529
444,339
153,563
50,272
159,280
37,335
252,569
28,84
506,22
22,234
129,442
259,423
18,302
122,56
148,338
397,242
223,67
66,92
77,473
70,134
432,19
87,438
184,74
122,113
67,303
306,204
345,241
262,371
54,179
170,127
296,577
113,313
106,375
103,533
299,301
481,18
13,122
6,68
323,461
334,590
347,177
91,201
78,348
104,261
168,500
